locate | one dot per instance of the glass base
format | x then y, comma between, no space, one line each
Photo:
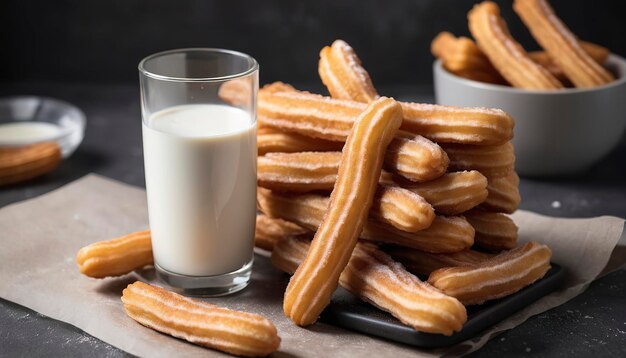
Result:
207,286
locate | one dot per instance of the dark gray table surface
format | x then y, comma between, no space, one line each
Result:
592,324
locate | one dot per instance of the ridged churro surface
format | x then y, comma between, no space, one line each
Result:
271,230
561,44
504,195
423,263
312,285
415,158
341,71
376,278
331,119
453,193
494,231
496,277
506,54
198,322
270,140
116,257
445,234
461,56
490,160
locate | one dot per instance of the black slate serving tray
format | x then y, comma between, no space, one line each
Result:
348,311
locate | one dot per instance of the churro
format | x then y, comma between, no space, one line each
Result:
307,171
503,194
423,263
506,54
299,172
269,231
271,140
18,164
452,193
496,277
439,123
445,234
561,44
341,72
490,160
315,280
494,231
374,277
415,158
461,56
402,209
597,52
331,119
130,252
198,322
116,257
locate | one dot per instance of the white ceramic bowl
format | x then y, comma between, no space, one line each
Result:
556,132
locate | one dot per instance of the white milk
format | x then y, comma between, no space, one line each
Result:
200,163
28,132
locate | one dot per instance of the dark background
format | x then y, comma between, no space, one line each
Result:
103,40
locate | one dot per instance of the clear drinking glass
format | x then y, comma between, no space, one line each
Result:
199,138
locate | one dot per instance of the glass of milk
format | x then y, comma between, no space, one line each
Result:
200,165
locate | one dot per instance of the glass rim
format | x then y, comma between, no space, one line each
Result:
254,66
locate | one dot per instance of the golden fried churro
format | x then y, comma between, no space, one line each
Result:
341,72
423,263
461,56
331,119
445,234
269,231
597,52
496,277
271,140
490,160
504,193
448,124
561,44
543,59
494,231
452,193
198,322
19,164
116,257
299,172
415,158
309,114
130,252
376,278
506,54
307,171
440,123
402,209
312,285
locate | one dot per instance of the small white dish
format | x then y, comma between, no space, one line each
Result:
556,132
30,119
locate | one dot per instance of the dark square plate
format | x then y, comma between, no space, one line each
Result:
348,311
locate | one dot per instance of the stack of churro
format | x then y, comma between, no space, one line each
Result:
364,192
496,57
436,205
